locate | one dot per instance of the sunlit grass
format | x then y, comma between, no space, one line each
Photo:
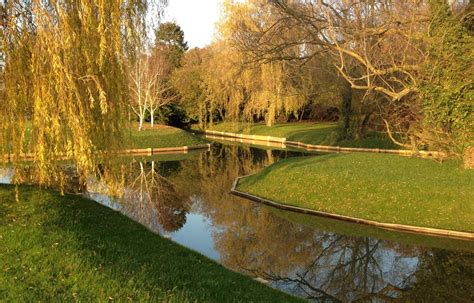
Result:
62,249
158,136
319,133
161,136
385,188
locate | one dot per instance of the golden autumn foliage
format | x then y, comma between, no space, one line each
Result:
66,90
228,82
400,67
410,60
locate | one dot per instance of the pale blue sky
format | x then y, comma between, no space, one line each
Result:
197,18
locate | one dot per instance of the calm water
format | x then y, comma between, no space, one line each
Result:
315,258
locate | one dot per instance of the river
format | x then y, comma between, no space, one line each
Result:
188,200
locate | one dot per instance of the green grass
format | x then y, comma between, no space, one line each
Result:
385,188
308,132
57,249
162,136
318,133
156,137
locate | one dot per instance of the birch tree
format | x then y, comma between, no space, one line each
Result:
140,89
66,79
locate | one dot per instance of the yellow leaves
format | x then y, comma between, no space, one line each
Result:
66,76
101,29
103,101
91,98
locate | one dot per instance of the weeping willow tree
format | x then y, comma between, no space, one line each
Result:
65,92
265,89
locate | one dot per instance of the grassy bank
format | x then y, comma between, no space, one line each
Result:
162,136
384,188
152,137
319,133
55,248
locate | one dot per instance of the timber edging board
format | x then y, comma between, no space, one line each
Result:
324,148
388,226
137,151
246,137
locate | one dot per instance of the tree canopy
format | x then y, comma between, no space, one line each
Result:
66,88
169,38
380,63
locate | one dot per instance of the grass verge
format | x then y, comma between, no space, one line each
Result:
151,137
162,136
384,188
318,133
55,248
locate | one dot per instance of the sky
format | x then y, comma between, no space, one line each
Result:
197,18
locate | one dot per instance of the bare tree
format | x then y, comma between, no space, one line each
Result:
159,92
146,190
140,89
376,46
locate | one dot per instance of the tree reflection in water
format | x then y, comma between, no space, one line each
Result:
155,197
146,195
306,261
346,269
311,263
442,276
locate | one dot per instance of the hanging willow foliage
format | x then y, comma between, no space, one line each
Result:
65,91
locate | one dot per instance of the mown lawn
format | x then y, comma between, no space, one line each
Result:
161,136
61,249
385,188
158,136
319,133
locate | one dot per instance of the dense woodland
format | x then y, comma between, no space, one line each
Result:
404,67
74,74
400,67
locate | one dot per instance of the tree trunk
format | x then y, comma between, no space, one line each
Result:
362,131
201,123
211,116
140,124
271,115
152,117
346,112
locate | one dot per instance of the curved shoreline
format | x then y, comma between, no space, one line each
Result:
387,226
284,143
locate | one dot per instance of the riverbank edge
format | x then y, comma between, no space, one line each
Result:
8,158
238,277
383,225
311,147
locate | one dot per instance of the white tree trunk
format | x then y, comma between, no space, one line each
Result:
152,120
140,125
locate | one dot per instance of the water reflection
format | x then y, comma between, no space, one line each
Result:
315,258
